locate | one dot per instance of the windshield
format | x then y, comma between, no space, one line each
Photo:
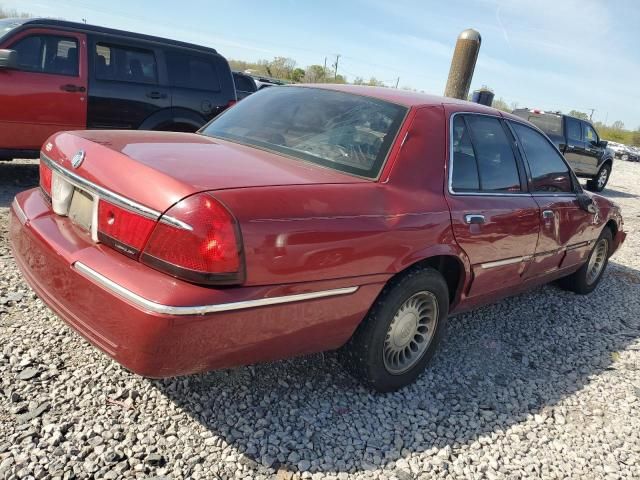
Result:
346,132
8,24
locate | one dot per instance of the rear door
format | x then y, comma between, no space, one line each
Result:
574,151
566,229
125,86
201,83
48,92
495,220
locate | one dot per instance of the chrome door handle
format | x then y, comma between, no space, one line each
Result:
474,218
547,214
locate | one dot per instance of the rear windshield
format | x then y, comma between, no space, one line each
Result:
8,24
346,132
549,124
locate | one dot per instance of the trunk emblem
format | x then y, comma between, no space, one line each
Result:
77,159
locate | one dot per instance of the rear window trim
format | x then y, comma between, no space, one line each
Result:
401,126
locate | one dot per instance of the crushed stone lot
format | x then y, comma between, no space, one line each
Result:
541,385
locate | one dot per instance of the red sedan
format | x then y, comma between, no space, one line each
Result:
304,219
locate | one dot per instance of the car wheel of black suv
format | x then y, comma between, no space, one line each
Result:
394,343
587,278
597,183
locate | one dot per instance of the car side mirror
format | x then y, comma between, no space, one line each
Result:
586,203
603,143
8,59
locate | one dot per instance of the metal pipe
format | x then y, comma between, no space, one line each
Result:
463,64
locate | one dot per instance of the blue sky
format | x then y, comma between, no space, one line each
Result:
551,54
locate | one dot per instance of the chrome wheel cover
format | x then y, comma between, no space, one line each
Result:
597,260
410,332
602,178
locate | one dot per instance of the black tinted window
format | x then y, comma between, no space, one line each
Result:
550,124
123,64
548,170
244,83
497,169
464,175
573,129
48,54
191,71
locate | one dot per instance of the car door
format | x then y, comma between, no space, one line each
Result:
48,91
592,150
566,230
125,87
201,83
494,219
574,150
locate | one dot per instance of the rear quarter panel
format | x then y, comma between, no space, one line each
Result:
313,232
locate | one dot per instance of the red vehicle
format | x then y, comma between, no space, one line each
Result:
304,219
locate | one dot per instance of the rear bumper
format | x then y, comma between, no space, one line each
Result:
157,326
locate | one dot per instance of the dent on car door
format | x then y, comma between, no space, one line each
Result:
565,228
494,220
47,92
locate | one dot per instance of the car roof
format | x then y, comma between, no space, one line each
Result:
65,25
403,97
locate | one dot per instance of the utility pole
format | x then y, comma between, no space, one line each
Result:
397,82
463,64
324,75
335,72
591,114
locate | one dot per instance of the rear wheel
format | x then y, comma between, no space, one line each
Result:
586,279
598,183
396,340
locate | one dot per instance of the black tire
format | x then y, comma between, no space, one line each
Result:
597,183
579,282
365,352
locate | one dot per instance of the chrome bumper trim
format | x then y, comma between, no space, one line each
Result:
19,212
201,309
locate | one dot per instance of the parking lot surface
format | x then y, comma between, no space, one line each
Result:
541,385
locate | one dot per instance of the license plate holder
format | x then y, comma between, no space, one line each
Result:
81,209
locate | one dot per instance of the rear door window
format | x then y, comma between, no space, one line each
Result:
483,158
53,54
549,172
192,71
125,64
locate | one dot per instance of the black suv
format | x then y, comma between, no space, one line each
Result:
578,141
57,75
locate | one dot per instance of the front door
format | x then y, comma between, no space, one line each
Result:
566,230
48,91
592,150
574,150
494,219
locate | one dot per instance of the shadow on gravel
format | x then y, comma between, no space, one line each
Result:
609,193
16,177
499,365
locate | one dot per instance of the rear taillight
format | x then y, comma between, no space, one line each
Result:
45,178
197,240
123,229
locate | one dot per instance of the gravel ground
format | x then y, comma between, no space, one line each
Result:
542,385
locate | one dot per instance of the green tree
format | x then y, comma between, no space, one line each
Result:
297,75
578,114
358,81
618,125
374,82
314,74
501,104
